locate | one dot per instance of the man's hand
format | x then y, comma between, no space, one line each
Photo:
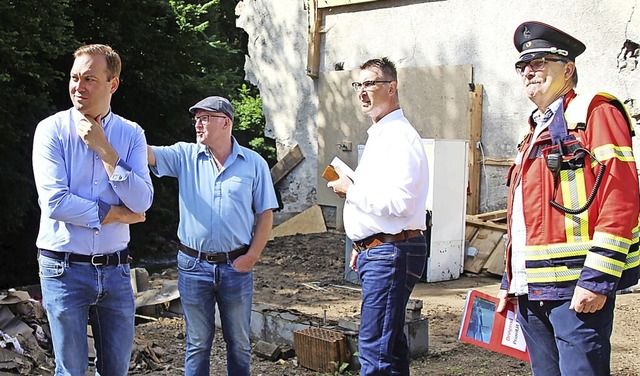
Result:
585,301
353,263
504,297
340,186
92,134
122,214
245,262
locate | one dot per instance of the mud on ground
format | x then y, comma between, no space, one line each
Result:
290,265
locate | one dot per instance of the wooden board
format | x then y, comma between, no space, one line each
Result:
475,136
310,221
486,224
313,43
286,164
470,232
485,242
443,112
492,216
495,262
338,3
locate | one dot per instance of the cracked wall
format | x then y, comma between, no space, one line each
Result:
416,33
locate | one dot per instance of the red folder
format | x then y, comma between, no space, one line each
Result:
483,326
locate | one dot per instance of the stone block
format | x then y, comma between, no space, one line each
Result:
266,350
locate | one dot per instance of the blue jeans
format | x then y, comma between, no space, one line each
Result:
203,285
75,294
563,342
388,273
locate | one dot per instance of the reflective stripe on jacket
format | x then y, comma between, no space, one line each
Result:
596,249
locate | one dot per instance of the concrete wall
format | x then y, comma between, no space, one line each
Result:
423,33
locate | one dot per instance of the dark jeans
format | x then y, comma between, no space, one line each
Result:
388,273
563,342
75,294
202,286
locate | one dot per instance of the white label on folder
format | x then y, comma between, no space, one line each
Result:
512,336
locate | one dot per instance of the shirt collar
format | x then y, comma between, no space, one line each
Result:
77,116
391,116
542,118
236,150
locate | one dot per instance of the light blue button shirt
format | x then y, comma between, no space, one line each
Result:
74,190
217,208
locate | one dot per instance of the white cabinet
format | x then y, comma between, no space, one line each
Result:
447,201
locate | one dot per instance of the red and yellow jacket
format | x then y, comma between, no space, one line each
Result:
596,249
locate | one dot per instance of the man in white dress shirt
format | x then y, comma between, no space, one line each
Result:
384,214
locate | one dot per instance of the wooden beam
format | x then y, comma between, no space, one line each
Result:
498,161
338,3
475,136
286,164
313,46
492,216
486,224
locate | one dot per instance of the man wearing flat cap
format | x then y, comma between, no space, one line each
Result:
572,211
224,189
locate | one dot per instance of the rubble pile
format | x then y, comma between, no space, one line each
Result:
148,357
25,338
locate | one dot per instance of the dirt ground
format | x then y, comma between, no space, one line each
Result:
292,266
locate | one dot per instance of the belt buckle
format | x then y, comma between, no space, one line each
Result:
97,263
210,258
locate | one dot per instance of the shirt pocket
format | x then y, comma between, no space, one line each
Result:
237,188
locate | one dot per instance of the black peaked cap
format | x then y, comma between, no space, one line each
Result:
536,39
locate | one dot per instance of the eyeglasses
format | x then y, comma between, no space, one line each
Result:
367,85
536,65
204,119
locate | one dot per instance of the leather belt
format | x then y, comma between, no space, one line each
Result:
381,238
111,259
216,257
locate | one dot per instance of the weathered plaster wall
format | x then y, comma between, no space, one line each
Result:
417,33
276,63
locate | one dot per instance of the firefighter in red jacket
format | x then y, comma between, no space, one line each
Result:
572,211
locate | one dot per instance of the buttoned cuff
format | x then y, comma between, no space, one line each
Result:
121,172
103,209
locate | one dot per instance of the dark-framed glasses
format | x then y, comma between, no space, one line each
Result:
367,85
204,119
535,64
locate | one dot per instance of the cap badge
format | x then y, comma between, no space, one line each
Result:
526,32
527,45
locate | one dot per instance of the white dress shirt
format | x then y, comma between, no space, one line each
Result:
391,181
518,284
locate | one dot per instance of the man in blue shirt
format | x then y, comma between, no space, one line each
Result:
90,168
226,198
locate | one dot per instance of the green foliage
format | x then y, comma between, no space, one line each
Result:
170,59
174,53
342,368
30,43
249,125
186,13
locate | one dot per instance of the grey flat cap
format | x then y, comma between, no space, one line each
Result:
214,104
